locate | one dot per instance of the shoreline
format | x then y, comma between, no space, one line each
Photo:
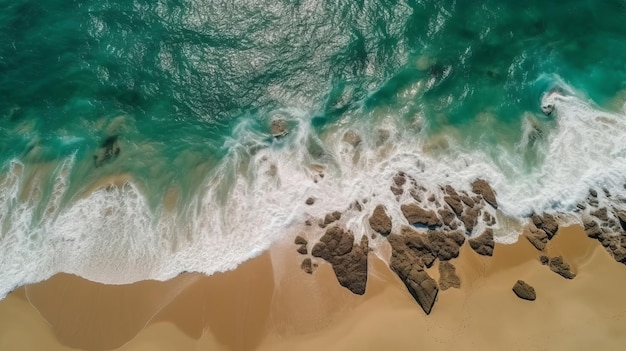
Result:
269,303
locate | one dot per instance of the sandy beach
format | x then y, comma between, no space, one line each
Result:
269,303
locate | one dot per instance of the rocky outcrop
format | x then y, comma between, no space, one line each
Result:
454,201
330,218
524,291
482,188
278,128
448,218
380,220
349,261
417,215
547,223
307,266
484,243
447,276
470,218
537,237
108,151
559,266
601,214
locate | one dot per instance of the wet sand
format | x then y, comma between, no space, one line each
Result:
269,303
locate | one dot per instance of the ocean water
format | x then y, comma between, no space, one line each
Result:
172,102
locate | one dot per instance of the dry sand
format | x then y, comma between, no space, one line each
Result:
268,303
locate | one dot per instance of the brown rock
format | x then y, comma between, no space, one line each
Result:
482,188
396,190
300,240
310,201
447,217
332,217
278,128
524,291
547,223
450,190
353,138
545,260
602,214
417,215
447,276
399,179
621,216
538,238
308,223
467,200
559,266
307,266
455,203
445,245
592,229
483,244
470,218
380,220
303,250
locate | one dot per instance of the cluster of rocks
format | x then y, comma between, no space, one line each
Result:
607,225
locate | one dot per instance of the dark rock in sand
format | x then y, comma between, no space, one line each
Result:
310,201
307,266
380,220
108,151
303,250
538,238
447,276
300,240
455,203
483,244
547,223
470,218
559,266
524,291
545,260
417,215
349,261
482,188
601,214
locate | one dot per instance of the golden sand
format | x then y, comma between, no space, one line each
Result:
268,303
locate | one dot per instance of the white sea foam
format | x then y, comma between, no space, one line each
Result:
257,194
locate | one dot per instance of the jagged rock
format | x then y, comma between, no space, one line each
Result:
420,245
303,250
307,266
592,229
278,128
545,260
467,200
601,214
470,218
455,203
488,219
538,238
482,188
310,201
447,276
450,190
483,244
399,179
559,266
447,217
380,220
524,291
547,223
417,215
396,190
332,217
353,138
445,245
416,194
108,151
308,223
300,240
349,261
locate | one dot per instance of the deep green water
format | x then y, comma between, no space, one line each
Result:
185,85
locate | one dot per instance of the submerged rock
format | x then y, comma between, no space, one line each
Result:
447,276
108,151
353,138
524,291
380,220
278,128
310,201
484,243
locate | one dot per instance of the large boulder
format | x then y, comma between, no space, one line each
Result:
547,223
524,291
447,276
417,215
484,243
380,220
482,188
537,237
559,266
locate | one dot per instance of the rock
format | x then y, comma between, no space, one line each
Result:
308,223
380,220
278,128
419,245
559,266
432,198
538,238
593,193
445,245
351,137
399,179
455,203
482,188
417,215
545,260
447,276
300,240
592,229
108,151
601,214
488,219
467,200
547,223
483,244
310,201
450,190
307,266
302,250
447,217
349,261
524,291
396,190
332,217
470,218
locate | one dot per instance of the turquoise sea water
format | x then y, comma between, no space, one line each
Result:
444,90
